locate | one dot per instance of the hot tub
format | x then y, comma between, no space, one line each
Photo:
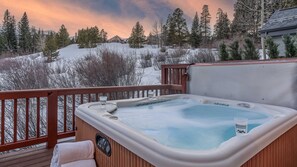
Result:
182,130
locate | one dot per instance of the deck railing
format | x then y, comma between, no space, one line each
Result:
175,74
30,117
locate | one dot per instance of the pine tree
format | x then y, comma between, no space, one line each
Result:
205,25
24,34
234,50
152,39
225,26
63,37
247,18
171,30
195,38
103,36
82,38
1,43
88,38
166,40
292,3
51,47
272,48
9,32
137,36
94,36
291,50
238,25
222,26
223,52
176,26
281,4
218,25
250,52
164,35
35,41
180,26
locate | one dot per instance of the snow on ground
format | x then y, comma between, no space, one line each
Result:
72,53
150,75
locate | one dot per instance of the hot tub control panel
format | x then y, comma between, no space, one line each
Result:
103,144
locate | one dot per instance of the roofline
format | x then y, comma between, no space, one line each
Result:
283,28
278,29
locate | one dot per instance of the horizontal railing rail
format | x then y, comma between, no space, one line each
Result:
31,117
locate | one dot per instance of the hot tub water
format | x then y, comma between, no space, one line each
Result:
185,124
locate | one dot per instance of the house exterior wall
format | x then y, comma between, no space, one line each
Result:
281,46
277,37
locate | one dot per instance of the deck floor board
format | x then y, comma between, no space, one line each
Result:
30,158
33,157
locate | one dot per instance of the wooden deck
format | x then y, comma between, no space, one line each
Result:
33,157
38,157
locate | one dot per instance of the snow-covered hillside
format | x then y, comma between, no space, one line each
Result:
150,75
71,54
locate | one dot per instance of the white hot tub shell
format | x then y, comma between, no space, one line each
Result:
232,153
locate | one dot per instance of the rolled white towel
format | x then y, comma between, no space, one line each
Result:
72,151
81,163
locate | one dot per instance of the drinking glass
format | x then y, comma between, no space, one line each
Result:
241,126
103,100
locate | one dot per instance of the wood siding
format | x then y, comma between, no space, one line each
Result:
280,153
120,156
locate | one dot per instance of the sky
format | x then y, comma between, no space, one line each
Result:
116,17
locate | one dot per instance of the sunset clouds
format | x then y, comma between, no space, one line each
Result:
117,17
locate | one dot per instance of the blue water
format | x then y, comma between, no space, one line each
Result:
186,124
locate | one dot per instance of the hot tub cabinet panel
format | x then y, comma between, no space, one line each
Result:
280,153
273,144
120,156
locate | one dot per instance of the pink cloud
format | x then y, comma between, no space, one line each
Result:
50,15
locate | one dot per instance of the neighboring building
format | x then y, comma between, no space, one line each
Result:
116,39
281,22
125,40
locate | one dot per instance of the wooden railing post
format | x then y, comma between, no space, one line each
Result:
52,119
184,80
164,75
